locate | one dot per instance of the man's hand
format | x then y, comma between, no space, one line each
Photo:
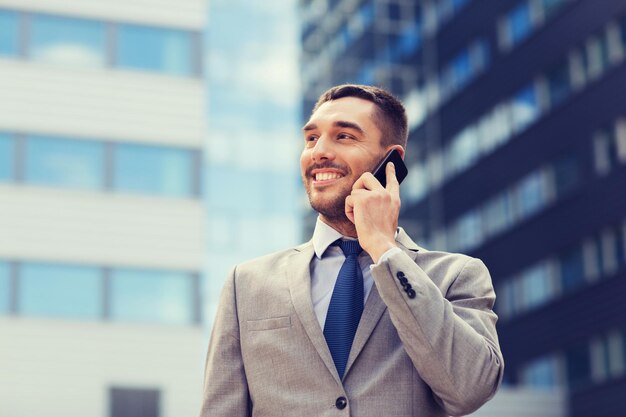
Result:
374,210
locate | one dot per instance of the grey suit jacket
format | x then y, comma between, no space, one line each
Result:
433,355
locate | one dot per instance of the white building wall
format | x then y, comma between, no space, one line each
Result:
102,103
65,368
185,14
99,229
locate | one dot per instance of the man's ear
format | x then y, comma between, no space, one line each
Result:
398,147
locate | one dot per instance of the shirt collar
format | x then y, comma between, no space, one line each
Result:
323,237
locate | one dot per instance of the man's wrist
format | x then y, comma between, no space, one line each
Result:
380,249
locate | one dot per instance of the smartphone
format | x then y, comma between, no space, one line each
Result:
401,169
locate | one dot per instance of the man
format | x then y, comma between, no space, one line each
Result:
295,336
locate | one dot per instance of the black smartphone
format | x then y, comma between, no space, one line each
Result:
401,169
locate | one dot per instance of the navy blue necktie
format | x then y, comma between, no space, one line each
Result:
346,306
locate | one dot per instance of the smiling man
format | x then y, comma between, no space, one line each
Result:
359,321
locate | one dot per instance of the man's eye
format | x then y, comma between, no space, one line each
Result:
344,136
310,138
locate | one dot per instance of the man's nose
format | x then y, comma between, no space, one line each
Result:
323,150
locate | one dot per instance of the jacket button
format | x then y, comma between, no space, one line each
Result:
400,274
410,292
403,280
341,403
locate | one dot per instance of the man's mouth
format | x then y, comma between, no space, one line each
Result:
322,177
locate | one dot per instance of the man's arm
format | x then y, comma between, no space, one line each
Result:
225,385
451,341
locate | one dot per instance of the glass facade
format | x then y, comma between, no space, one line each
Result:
9,29
155,49
7,157
64,162
62,40
64,291
86,43
96,293
5,287
152,296
153,170
87,164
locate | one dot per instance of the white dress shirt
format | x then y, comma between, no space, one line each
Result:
326,264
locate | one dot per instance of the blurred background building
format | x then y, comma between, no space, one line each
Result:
102,125
253,193
517,155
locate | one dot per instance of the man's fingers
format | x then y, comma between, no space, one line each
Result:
367,181
392,182
349,208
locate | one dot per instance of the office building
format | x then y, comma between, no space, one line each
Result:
102,125
517,155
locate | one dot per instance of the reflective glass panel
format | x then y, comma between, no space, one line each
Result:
158,49
152,296
153,170
63,40
7,156
558,84
9,29
5,287
572,270
519,23
64,162
60,291
524,108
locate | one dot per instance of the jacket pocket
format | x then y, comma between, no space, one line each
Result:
269,324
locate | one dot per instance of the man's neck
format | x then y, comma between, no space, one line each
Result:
343,226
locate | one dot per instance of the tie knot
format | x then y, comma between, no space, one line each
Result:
349,247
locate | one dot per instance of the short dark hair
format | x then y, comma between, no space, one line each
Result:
390,115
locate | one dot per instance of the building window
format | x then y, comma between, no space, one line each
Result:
63,40
498,214
64,162
9,29
463,151
566,174
532,194
134,402
537,285
5,287
152,296
597,56
158,49
525,108
7,157
572,270
578,364
541,373
516,25
154,170
558,84
60,291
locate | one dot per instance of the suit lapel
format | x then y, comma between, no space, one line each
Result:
299,277
375,307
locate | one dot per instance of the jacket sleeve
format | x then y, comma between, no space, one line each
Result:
225,387
449,332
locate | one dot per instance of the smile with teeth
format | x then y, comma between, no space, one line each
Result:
327,176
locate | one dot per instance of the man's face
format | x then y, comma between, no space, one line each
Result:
341,142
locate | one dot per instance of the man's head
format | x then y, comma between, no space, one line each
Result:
350,130
390,115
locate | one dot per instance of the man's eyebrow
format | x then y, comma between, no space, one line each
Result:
340,123
349,125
